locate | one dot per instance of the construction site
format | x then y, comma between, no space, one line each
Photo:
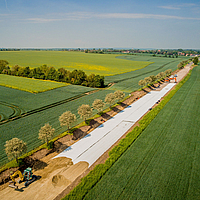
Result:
51,174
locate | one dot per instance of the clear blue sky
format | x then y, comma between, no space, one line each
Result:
104,23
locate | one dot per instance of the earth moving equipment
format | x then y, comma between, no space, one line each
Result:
171,78
27,176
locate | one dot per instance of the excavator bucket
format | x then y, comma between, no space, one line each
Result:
12,185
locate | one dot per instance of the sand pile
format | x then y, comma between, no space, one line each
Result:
54,165
59,180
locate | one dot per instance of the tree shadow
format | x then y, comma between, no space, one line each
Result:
106,116
124,105
151,87
59,146
78,133
34,163
94,123
117,110
145,90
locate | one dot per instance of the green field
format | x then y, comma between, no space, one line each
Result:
102,64
28,84
129,81
27,127
163,163
46,107
24,102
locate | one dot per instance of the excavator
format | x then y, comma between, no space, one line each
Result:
27,176
172,77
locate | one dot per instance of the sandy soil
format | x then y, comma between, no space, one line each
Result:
52,180
56,177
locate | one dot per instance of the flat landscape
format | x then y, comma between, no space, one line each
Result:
99,100
34,110
163,163
102,64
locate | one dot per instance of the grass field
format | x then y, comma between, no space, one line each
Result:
102,64
28,84
163,163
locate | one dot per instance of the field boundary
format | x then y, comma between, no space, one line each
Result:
95,175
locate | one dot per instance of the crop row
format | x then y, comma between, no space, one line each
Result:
27,101
27,128
138,160
131,84
162,163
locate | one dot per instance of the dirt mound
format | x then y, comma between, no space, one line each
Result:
55,164
59,180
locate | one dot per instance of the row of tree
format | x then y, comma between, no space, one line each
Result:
151,79
76,77
183,63
195,60
16,147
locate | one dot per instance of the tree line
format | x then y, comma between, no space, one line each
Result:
151,79
15,147
44,72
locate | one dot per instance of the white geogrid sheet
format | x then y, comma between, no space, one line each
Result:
93,145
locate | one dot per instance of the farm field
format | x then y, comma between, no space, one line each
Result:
25,102
27,127
163,163
129,81
102,64
28,84
46,107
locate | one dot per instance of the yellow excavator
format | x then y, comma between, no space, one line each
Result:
27,176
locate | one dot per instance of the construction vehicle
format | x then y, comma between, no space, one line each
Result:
172,77
27,176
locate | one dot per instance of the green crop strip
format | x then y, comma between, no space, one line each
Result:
28,85
88,182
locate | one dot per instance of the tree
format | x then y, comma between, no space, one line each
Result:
142,83
162,74
85,111
119,95
153,78
168,72
110,99
3,64
15,69
67,118
148,80
98,105
195,60
15,148
158,76
46,133
180,66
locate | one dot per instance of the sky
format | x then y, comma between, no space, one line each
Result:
136,24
